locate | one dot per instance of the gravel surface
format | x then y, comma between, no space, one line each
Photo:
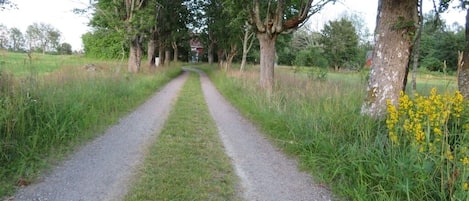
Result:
265,173
103,169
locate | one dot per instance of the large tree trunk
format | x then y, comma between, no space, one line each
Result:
221,57
396,25
267,60
210,52
175,50
463,72
135,56
167,57
152,53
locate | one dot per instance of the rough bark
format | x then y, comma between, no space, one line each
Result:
167,57
175,51
221,57
267,60
135,55
230,56
152,53
463,71
396,25
210,53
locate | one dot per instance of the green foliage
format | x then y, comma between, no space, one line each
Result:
104,44
439,44
340,43
311,57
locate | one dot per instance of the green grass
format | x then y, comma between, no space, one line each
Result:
187,162
43,117
319,122
22,64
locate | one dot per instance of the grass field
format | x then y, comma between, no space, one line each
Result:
46,113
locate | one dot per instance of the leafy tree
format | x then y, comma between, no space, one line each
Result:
396,26
17,40
4,33
104,43
42,37
269,19
463,70
64,49
340,43
132,18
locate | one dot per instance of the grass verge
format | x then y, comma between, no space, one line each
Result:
43,118
319,122
187,162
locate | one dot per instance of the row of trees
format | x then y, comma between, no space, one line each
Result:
228,28
39,37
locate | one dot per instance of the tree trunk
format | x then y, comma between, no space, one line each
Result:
267,60
416,48
135,56
221,57
152,53
210,53
247,44
161,54
230,56
167,57
175,50
463,72
393,45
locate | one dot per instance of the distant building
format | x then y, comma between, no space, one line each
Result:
197,49
369,57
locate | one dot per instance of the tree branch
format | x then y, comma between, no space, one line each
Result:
257,17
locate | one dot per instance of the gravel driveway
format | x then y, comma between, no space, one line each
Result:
104,168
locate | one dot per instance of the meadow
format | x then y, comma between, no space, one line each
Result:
50,105
317,120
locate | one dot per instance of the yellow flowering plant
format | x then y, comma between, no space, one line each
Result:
436,128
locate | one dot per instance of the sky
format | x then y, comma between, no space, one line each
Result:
59,14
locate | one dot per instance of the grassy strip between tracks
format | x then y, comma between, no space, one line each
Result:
187,162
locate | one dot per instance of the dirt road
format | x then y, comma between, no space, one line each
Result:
103,169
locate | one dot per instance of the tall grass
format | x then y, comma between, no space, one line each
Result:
43,117
319,122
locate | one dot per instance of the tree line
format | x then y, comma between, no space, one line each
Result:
39,37
139,28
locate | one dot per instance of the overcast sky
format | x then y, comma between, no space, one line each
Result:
59,14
